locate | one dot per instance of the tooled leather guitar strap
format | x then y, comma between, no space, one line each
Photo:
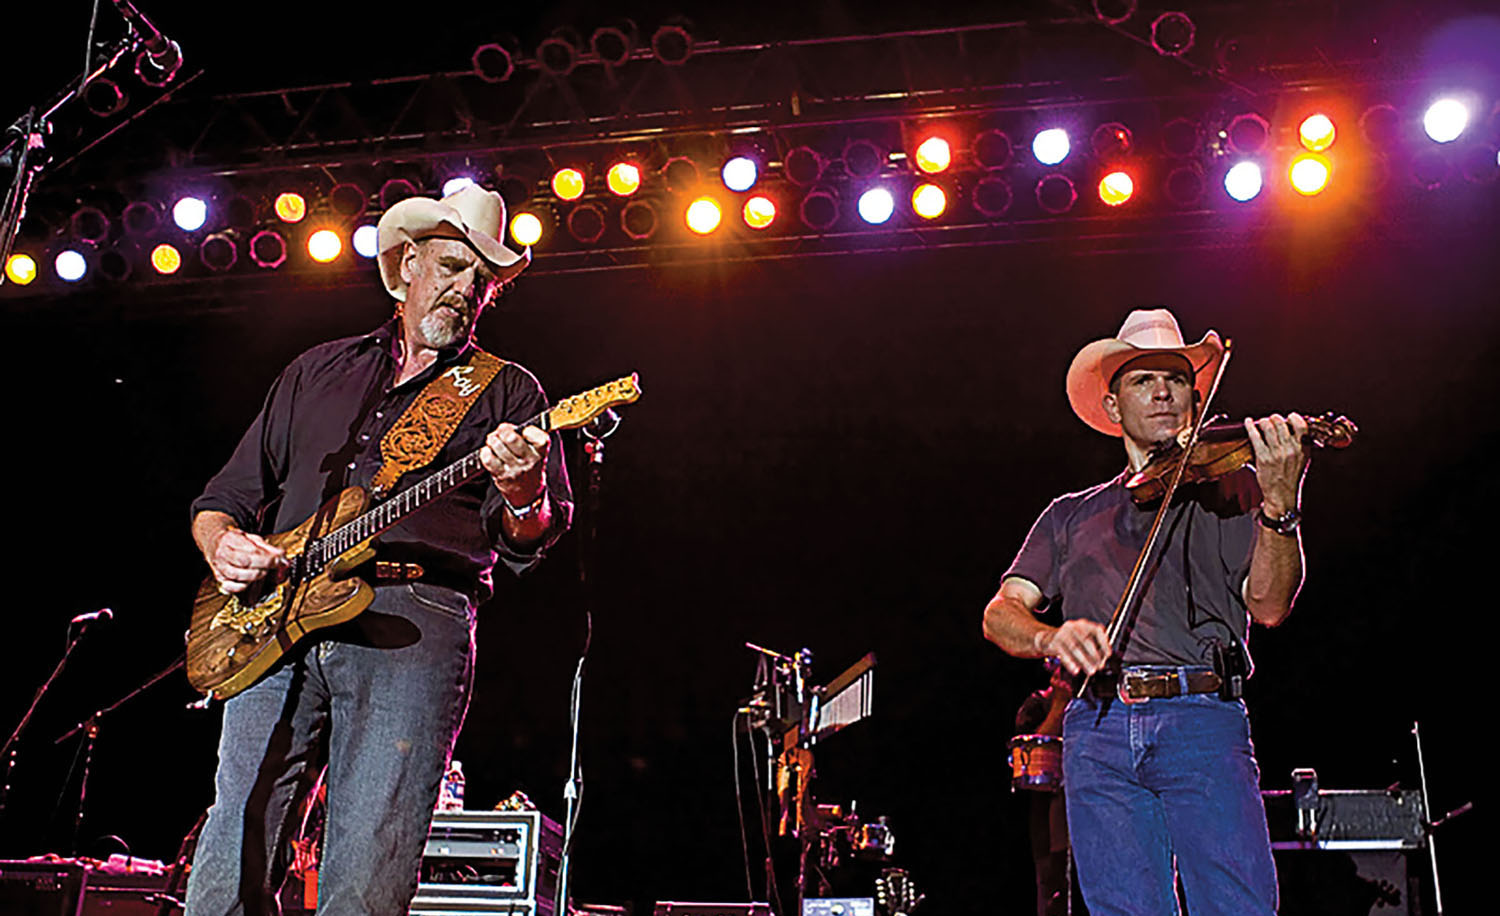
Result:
426,426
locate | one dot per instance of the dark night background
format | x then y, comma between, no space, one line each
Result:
840,452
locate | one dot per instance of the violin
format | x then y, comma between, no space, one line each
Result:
1222,449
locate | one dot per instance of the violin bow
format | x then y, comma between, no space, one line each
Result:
1133,589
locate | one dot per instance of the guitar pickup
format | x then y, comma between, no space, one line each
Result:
392,571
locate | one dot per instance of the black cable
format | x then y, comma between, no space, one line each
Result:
772,890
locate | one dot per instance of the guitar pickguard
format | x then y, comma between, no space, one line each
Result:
247,619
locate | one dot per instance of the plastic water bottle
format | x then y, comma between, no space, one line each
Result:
451,793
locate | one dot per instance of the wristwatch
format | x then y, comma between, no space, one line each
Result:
1285,525
522,512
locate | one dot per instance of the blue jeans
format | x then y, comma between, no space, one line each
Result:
380,700
1147,782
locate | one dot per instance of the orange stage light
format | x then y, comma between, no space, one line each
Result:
703,215
526,229
166,259
623,178
929,201
21,269
933,155
760,212
290,207
1116,188
1317,132
567,184
324,245
1309,174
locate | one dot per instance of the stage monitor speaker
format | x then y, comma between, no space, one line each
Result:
41,888
679,908
1324,882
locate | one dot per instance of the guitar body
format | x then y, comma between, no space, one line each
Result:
234,639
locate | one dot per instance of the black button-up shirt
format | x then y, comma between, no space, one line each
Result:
319,431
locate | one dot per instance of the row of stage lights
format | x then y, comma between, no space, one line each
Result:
1309,173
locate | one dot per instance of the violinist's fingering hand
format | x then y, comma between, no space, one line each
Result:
1280,459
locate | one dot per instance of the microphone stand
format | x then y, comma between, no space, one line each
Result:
90,729
595,432
9,750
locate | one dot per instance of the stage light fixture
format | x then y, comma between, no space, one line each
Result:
1051,146
1316,132
1445,120
1114,12
240,212
166,259
1247,134
992,149
190,213
803,166
740,173
933,155
1309,174
1380,125
525,229
394,191
586,223
623,179
1243,181
1185,185
568,184
268,249
1111,142
456,183
89,225
20,268
759,212
104,97
929,201
991,196
1480,163
324,246
492,63
1116,188
1056,194
290,207
141,218
638,220
613,44
366,241
672,45
863,158
557,55
703,215
114,265
1180,137
70,265
1430,169
1172,34
876,206
347,201
218,251
681,174
819,209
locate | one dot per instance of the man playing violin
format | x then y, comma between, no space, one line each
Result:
1158,766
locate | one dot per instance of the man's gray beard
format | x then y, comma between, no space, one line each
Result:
442,328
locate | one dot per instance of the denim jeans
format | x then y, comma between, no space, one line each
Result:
380,700
1162,779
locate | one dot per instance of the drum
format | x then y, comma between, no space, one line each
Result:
1036,763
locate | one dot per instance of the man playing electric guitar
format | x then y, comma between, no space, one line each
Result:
380,698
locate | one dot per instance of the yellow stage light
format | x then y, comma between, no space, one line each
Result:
567,184
929,201
1309,174
324,245
290,207
166,259
1317,132
933,155
760,212
21,269
1116,188
703,215
526,229
623,178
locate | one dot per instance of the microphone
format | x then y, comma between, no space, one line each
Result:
162,54
103,613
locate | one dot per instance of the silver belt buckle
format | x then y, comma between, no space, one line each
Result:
1126,677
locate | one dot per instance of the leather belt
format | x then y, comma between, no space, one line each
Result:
1155,683
400,572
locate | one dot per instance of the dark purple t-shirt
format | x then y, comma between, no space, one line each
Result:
320,431
1081,550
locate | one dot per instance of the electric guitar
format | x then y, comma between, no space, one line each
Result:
234,639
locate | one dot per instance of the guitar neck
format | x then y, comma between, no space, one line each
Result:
390,512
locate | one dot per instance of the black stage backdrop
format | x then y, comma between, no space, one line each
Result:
841,453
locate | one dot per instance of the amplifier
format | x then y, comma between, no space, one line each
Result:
41,888
838,906
489,862
679,908
1342,819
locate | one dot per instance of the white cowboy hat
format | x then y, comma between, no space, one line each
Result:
470,214
1145,332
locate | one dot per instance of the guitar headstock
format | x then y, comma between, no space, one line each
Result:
570,413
